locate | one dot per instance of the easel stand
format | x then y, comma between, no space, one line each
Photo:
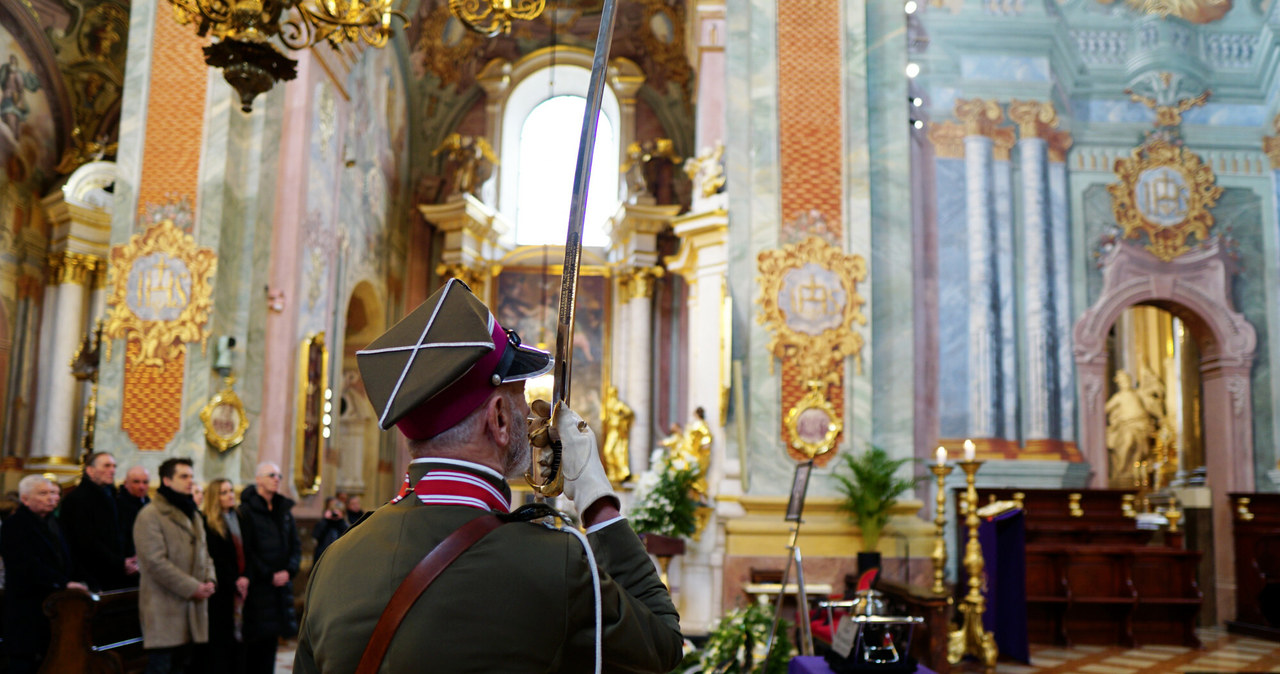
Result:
802,599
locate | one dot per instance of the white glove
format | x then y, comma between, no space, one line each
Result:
585,481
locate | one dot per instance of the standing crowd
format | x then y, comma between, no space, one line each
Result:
215,580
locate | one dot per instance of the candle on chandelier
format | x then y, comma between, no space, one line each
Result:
942,456
969,450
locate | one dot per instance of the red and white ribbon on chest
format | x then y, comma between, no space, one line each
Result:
455,487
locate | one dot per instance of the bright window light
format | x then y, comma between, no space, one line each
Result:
548,153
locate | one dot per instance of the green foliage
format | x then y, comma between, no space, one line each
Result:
734,638
663,503
871,487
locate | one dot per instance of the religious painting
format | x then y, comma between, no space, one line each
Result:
799,486
528,300
315,412
28,138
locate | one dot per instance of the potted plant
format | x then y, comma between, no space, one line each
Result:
870,485
664,511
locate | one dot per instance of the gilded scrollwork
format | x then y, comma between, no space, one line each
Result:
160,293
224,418
1165,191
813,424
809,300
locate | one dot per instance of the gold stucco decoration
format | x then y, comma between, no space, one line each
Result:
1165,191
161,292
809,300
224,418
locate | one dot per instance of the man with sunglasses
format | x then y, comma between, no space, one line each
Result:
273,552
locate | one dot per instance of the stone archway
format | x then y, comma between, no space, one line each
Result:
1196,288
357,428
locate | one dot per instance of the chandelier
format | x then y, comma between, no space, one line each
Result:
243,28
491,17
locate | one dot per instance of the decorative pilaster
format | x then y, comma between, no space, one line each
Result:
979,118
953,273
471,232
1060,239
1035,120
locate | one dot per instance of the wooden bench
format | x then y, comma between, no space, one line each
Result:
94,634
1094,577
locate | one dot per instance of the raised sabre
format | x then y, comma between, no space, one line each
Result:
544,475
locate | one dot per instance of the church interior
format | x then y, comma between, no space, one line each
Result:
1022,257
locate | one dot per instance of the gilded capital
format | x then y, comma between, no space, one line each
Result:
1035,119
1002,143
640,282
947,139
979,116
1271,146
78,268
1059,142
474,277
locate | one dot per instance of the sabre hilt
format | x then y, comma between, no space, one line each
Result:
546,453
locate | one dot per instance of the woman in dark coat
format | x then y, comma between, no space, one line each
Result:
225,653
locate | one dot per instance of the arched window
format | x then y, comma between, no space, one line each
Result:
548,161
541,126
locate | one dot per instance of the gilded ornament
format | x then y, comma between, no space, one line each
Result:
1002,140
1194,11
1169,115
813,424
809,300
474,277
78,268
1035,119
1165,191
947,139
979,116
1059,143
161,293
706,170
224,418
492,17
315,412
444,43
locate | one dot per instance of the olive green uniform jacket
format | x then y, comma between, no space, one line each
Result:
519,600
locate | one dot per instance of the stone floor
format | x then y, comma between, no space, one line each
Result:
1222,653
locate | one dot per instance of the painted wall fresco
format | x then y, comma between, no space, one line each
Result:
28,141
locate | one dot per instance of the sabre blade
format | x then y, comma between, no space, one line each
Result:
549,485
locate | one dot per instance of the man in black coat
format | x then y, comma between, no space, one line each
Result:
129,500
273,552
37,563
92,527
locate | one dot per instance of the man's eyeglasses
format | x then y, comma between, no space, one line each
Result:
275,475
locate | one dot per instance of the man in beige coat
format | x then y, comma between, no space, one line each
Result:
177,573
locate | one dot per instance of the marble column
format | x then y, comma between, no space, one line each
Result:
634,253
1002,174
54,438
1034,119
1060,239
979,118
953,279
703,263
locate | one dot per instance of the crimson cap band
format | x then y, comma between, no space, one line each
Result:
441,362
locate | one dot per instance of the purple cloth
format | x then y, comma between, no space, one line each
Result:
1004,555
814,664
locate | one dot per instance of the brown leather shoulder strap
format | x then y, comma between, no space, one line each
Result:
416,583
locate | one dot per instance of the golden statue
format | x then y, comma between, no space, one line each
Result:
694,448
1129,427
617,418
469,160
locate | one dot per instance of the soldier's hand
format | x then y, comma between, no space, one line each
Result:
585,481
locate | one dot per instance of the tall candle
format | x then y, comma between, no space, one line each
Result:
942,456
969,450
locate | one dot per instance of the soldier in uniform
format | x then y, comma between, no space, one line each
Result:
524,598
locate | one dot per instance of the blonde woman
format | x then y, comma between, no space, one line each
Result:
225,651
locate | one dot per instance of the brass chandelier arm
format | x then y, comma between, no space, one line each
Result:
491,17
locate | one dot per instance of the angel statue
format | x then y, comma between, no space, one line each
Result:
469,162
617,418
695,449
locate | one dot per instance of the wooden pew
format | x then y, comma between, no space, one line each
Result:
1255,532
94,634
1093,577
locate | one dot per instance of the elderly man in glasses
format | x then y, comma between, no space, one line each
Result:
273,553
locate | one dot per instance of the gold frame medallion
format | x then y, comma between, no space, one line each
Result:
813,401
226,398
160,293
1166,191
816,346
313,394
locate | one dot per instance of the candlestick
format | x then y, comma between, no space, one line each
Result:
969,450
941,470
971,638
